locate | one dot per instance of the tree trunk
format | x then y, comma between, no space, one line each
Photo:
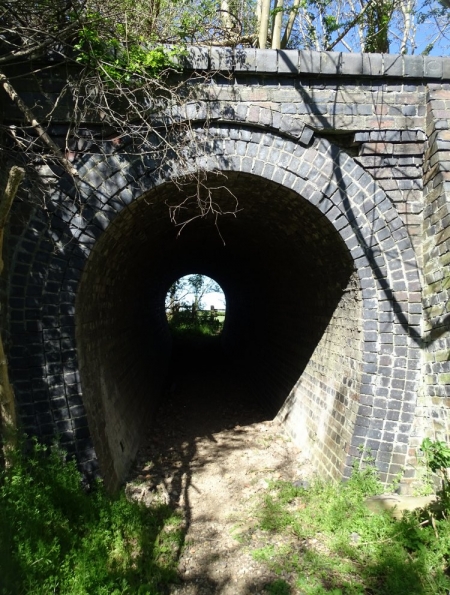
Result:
277,21
290,24
9,185
264,23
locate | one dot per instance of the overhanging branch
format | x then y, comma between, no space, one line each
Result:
46,139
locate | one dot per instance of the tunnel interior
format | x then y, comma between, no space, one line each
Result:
288,280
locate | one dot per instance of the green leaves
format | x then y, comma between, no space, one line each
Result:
325,540
120,56
437,454
57,538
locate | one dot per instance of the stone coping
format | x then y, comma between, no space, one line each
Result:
298,62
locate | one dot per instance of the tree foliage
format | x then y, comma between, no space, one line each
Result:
117,67
189,292
351,25
121,54
56,537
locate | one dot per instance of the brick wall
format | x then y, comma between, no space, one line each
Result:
324,156
432,413
321,410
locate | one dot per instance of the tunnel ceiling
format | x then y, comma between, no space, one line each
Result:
267,238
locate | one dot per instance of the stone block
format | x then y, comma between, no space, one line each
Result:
221,58
291,125
365,110
351,63
377,148
361,137
434,67
288,108
309,62
288,61
197,58
266,61
408,135
446,69
413,66
372,64
385,135
245,60
330,63
195,111
392,65
241,112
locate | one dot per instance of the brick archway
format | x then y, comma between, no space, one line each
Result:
317,191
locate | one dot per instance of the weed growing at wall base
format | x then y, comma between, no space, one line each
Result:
55,537
325,540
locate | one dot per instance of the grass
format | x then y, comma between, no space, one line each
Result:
325,540
55,537
185,325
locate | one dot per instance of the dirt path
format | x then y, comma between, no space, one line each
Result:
212,453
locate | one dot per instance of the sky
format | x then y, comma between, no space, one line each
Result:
215,299
434,29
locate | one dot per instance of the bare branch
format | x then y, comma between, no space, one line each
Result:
38,48
56,151
350,25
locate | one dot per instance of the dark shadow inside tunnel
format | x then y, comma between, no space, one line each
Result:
284,270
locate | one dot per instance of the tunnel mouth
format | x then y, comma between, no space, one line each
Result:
289,282
195,306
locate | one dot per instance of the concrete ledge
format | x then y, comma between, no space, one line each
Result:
398,504
295,62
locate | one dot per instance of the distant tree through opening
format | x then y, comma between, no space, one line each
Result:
195,306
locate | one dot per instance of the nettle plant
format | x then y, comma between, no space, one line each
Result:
437,460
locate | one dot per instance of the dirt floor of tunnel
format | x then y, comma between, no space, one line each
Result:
211,453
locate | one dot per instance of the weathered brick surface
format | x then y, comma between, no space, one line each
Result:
339,166
432,411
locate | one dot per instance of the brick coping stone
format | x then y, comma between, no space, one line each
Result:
298,62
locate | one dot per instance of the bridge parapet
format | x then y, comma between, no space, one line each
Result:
309,62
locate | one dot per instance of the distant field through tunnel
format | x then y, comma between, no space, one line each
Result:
285,272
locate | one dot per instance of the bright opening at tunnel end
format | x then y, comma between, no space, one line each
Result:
195,306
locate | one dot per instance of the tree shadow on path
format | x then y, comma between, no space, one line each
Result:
210,448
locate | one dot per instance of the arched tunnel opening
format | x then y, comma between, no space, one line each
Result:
195,306
292,326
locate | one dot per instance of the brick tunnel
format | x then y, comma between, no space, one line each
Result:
313,261
284,271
